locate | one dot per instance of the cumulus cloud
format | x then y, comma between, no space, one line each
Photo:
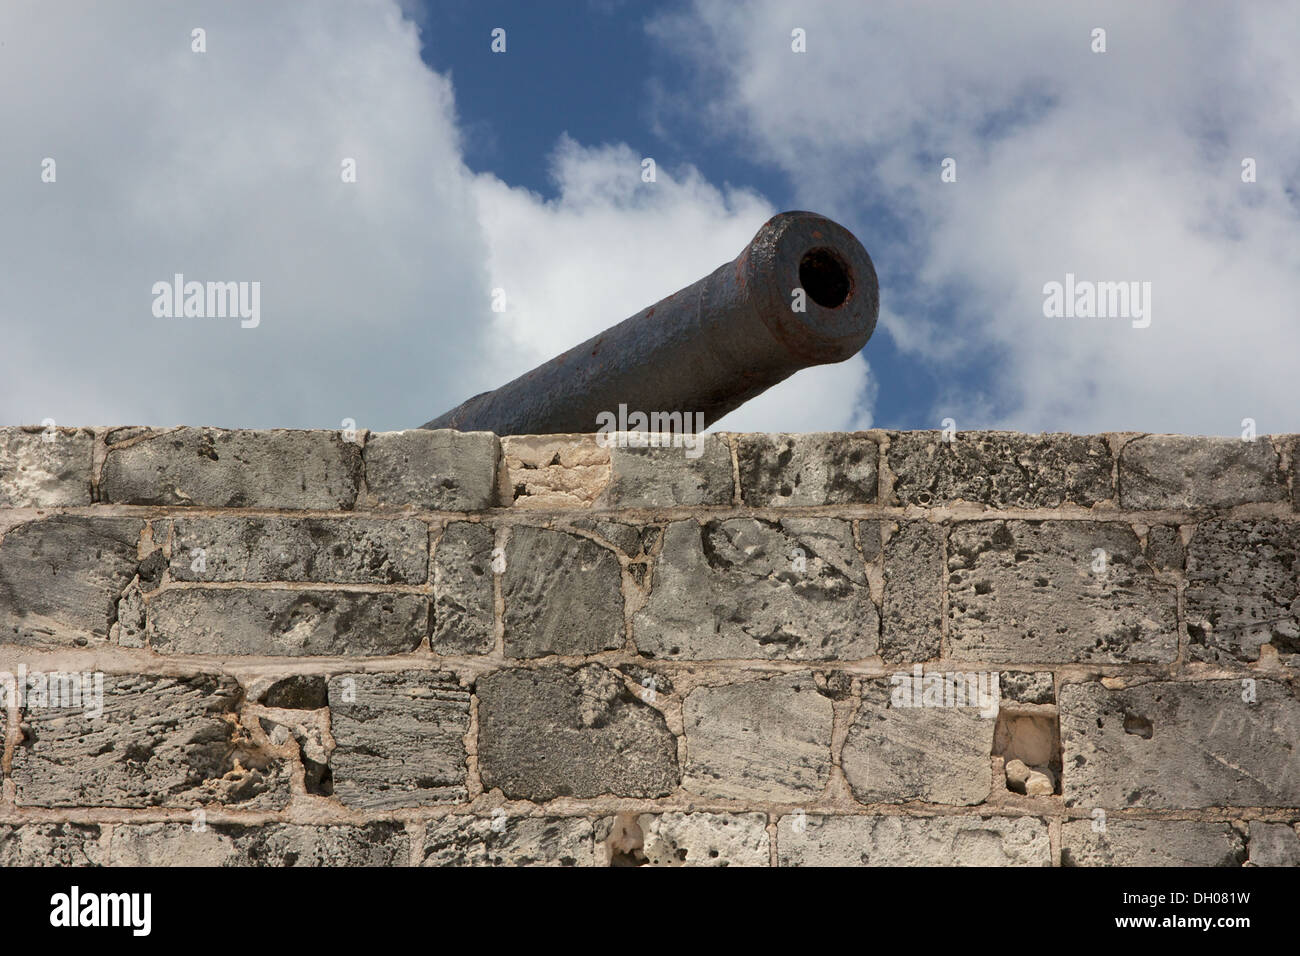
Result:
376,296
1115,166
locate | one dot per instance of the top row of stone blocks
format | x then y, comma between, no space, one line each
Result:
455,471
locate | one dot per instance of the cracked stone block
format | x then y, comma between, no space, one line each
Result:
746,588
828,468
1150,843
667,477
1273,844
633,540
1181,744
694,839
1056,592
563,595
286,623
463,599
159,742
51,844
1194,471
912,841
1165,548
764,740
912,622
272,844
553,471
1243,590
1026,688
500,840
61,579
342,550
45,468
399,739
554,731
1000,469
432,470
217,468
901,748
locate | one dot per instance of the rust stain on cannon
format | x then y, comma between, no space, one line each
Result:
707,348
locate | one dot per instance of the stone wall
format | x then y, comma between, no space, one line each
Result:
288,647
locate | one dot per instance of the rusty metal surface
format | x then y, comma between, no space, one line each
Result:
709,347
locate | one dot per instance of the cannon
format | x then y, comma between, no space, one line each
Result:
802,293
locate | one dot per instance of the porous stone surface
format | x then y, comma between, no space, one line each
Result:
938,754
1056,592
286,623
563,595
765,739
501,840
657,477
1243,590
45,467
553,471
232,469
1273,844
1165,549
1000,469
431,470
342,550
912,841
399,739
1185,471
159,742
226,844
912,622
61,579
1026,688
747,588
554,731
1181,744
52,844
702,839
827,468
463,590
1125,842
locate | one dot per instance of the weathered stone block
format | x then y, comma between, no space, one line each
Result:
45,468
216,468
1273,844
499,840
745,588
553,471
695,839
1243,590
666,477
62,577
939,754
563,595
1025,688
551,732
912,623
51,844
399,739
160,742
1165,548
1000,469
1151,843
432,470
1056,592
766,740
273,844
1181,744
1192,471
463,594
912,841
828,468
288,623
343,550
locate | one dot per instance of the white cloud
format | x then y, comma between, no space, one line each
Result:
1116,166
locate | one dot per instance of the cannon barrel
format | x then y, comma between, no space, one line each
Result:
707,348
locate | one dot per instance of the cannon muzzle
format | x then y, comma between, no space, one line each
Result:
707,348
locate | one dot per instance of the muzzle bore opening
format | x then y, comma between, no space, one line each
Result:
826,277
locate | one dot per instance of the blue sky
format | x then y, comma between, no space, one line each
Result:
521,172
